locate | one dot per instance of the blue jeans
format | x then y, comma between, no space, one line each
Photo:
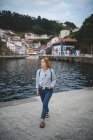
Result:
45,95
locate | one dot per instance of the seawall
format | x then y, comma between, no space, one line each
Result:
13,57
78,59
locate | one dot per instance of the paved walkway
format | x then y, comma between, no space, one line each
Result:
71,118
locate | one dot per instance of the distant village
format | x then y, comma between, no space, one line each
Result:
27,44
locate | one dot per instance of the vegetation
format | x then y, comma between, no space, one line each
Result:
85,36
70,25
49,51
24,23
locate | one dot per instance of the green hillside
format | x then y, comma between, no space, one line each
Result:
85,36
24,23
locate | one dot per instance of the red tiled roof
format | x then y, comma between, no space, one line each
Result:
69,40
65,40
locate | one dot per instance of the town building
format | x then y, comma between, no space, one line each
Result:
32,36
64,47
42,49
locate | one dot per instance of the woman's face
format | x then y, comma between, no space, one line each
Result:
43,64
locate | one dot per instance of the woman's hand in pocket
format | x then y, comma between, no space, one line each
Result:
49,87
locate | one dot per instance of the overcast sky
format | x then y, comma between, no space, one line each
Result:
61,10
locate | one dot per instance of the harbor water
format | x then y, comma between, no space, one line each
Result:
17,77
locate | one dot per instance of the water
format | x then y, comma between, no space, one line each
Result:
17,77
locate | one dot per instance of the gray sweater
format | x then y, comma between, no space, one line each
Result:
44,78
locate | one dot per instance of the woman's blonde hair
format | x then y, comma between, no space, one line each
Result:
47,61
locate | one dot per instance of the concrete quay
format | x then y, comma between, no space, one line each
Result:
13,57
71,117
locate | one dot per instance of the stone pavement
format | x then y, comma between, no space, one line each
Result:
71,117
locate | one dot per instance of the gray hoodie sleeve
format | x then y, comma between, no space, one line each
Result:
37,79
53,78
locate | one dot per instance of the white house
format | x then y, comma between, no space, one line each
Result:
64,33
17,47
16,38
64,47
21,49
11,46
32,36
34,45
56,49
44,37
17,43
37,45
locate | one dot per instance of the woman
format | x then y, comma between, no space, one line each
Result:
45,81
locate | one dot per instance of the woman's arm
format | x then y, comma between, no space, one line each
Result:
53,79
37,82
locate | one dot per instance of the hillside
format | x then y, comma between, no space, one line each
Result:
24,23
85,36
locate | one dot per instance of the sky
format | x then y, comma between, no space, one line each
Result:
75,11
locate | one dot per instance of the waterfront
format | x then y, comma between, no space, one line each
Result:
71,117
17,77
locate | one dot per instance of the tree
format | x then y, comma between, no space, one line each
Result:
24,23
70,24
